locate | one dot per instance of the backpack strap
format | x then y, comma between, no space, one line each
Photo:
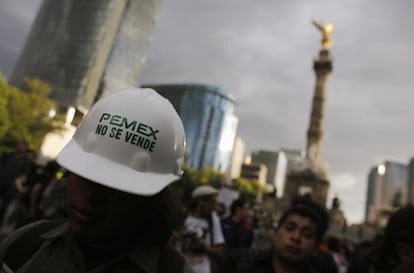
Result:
170,260
27,244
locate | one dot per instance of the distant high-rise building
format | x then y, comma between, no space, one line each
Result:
210,125
293,154
269,159
237,158
387,191
395,186
128,53
411,181
255,171
276,163
79,46
373,190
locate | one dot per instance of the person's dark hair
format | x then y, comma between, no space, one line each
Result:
333,244
52,167
165,213
21,147
238,203
365,244
221,209
195,201
400,228
308,208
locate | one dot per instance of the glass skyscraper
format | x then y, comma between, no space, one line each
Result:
210,125
395,186
388,188
79,46
128,52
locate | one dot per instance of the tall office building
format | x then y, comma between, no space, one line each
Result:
292,154
373,193
255,171
237,158
276,163
73,42
387,190
395,186
411,181
210,125
128,53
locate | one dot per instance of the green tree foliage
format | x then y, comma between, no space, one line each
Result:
209,176
194,178
248,188
27,114
4,113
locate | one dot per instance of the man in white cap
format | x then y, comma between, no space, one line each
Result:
204,245
122,157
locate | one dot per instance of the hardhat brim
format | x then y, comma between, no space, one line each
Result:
111,174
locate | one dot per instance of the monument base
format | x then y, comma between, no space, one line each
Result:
307,182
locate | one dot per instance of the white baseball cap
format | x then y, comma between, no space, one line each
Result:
204,190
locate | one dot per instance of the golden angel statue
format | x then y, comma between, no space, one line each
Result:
326,32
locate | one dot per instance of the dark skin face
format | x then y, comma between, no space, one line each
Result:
207,205
295,240
101,217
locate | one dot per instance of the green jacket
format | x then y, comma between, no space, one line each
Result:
60,252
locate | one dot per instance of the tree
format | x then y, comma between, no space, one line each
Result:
191,178
4,113
248,188
210,176
27,118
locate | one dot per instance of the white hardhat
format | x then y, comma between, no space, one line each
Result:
204,190
131,140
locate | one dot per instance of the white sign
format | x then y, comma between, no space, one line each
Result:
227,196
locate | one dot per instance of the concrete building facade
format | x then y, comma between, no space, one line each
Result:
276,163
387,191
237,158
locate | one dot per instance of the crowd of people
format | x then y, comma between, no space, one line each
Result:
110,209
248,240
29,191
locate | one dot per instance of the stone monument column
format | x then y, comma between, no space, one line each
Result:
322,67
308,174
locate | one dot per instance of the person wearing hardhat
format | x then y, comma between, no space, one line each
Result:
205,248
124,154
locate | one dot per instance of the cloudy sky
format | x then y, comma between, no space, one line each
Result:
262,51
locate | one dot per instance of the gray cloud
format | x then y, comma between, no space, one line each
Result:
16,18
262,52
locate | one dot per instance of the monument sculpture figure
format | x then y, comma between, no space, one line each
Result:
326,31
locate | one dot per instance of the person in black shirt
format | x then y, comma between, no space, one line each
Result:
238,233
295,241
